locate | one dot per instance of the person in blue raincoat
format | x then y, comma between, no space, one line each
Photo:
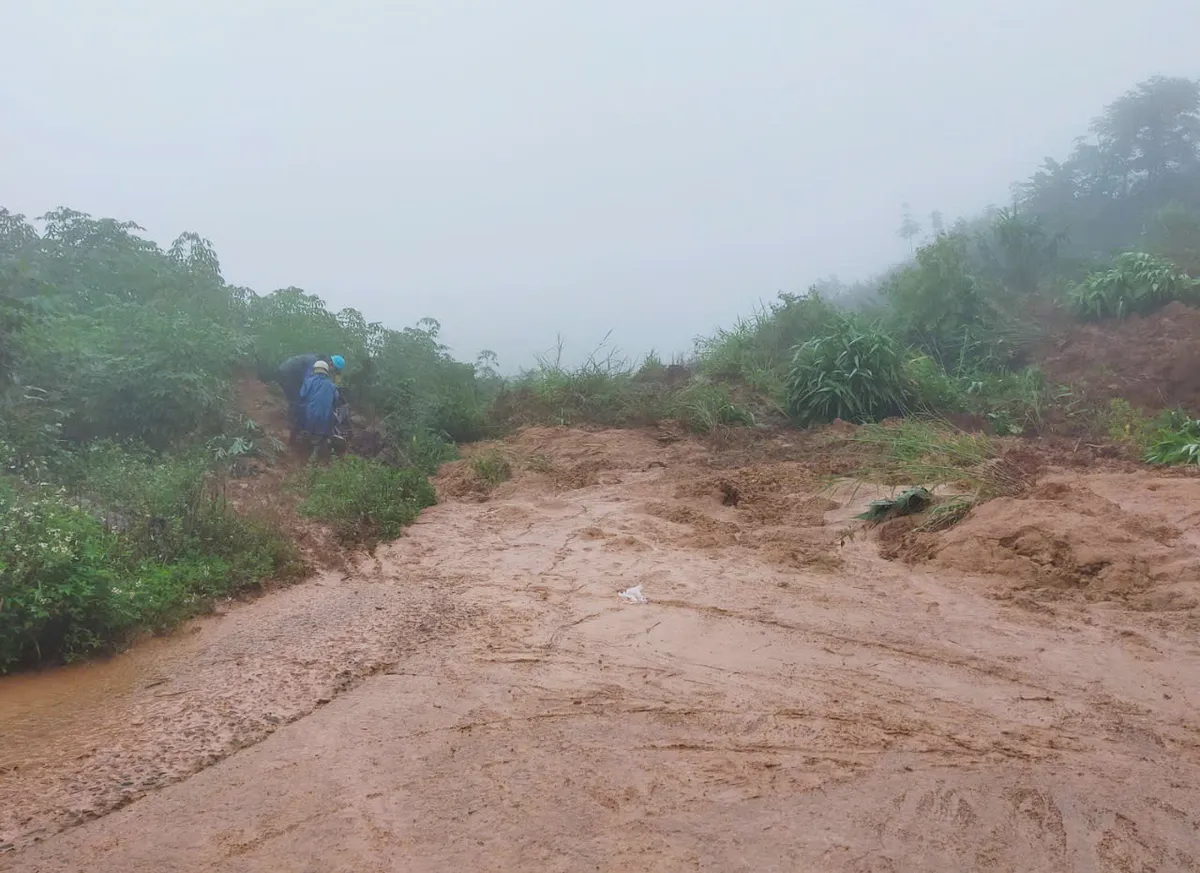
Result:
291,377
319,398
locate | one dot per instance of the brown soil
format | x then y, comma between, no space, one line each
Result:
1121,538
476,696
1152,361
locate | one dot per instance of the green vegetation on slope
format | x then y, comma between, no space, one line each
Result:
118,429
365,501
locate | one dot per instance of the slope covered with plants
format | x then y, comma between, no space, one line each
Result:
118,427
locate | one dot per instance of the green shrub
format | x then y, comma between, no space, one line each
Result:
425,451
1174,233
1136,283
757,351
133,371
365,501
413,385
934,389
1011,400
59,578
939,304
854,372
705,407
172,508
458,411
1126,425
291,322
74,580
1173,440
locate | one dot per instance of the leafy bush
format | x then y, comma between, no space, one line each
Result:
1174,440
1174,233
171,510
1126,425
414,386
57,581
855,372
365,501
425,451
934,389
1136,283
132,371
291,322
939,304
757,351
77,579
1017,250
1013,401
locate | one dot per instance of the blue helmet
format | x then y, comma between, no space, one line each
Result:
339,363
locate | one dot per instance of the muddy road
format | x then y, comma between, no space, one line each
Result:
477,697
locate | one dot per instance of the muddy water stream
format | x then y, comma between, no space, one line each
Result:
74,704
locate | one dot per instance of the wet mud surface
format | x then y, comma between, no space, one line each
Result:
478,697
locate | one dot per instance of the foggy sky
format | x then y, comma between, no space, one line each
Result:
525,168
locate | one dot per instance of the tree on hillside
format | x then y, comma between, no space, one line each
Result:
1143,153
1017,250
943,306
910,228
1051,190
1153,130
1174,232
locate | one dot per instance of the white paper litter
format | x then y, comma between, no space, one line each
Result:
633,595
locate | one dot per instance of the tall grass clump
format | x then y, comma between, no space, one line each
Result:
854,371
365,501
918,451
705,407
605,389
757,351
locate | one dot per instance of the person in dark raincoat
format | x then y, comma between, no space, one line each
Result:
291,376
319,398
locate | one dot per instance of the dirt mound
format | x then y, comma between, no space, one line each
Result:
564,459
1086,538
458,480
1153,361
756,492
766,494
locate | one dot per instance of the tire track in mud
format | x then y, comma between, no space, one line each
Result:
753,715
